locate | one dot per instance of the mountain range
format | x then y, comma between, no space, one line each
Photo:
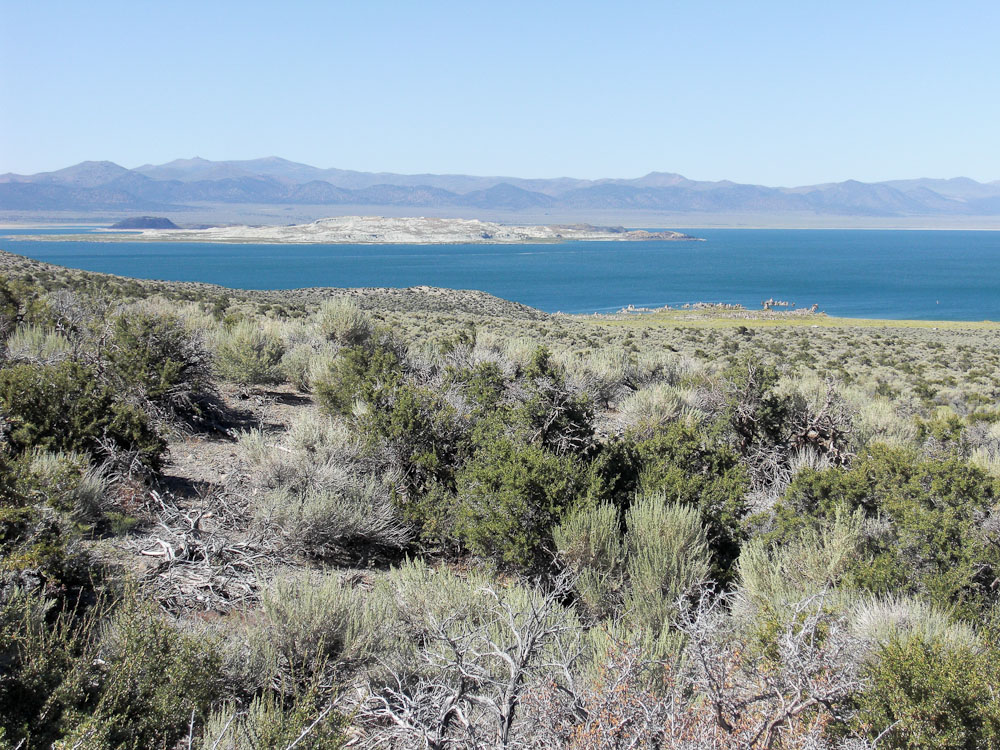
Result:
183,183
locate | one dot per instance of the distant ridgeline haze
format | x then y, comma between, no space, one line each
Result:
105,186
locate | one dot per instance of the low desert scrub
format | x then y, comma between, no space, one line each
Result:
298,459
725,691
667,554
566,485
341,321
32,343
816,562
256,449
589,543
881,620
248,355
416,599
431,616
314,623
321,364
675,369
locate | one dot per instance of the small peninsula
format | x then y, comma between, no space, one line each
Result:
415,230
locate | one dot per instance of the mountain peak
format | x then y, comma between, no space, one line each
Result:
273,180
84,174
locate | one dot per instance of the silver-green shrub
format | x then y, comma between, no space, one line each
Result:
345,511
589,543
340,320
31,343
667,554
315,623
814,563
248,355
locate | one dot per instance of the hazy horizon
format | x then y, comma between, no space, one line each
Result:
775,93
469,174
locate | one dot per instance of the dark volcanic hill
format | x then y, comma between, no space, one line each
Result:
103,185
145,222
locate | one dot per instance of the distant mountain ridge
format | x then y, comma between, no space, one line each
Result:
104,185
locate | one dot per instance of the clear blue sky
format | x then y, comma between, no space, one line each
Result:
778,93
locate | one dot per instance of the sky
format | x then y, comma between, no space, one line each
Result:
775,93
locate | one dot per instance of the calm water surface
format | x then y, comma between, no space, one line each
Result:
938,275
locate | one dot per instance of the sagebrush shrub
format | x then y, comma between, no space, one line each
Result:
270,722
66,481
684,463
248,355
315,622
296,363
342,512
667,554
31,343
340,320
589,541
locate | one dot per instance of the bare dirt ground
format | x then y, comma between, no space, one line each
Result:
202,461
192,544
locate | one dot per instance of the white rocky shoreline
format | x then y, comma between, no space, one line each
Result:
387,230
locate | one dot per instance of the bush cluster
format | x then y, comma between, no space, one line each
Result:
495,532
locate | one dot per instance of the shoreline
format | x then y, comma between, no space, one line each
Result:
708,314
536,230
104,229
382,230
112,238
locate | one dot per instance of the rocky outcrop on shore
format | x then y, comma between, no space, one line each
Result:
387,230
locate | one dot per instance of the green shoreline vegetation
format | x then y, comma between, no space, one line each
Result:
332,518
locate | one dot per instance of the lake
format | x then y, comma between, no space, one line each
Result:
936,275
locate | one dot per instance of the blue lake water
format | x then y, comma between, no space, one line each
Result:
938,275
